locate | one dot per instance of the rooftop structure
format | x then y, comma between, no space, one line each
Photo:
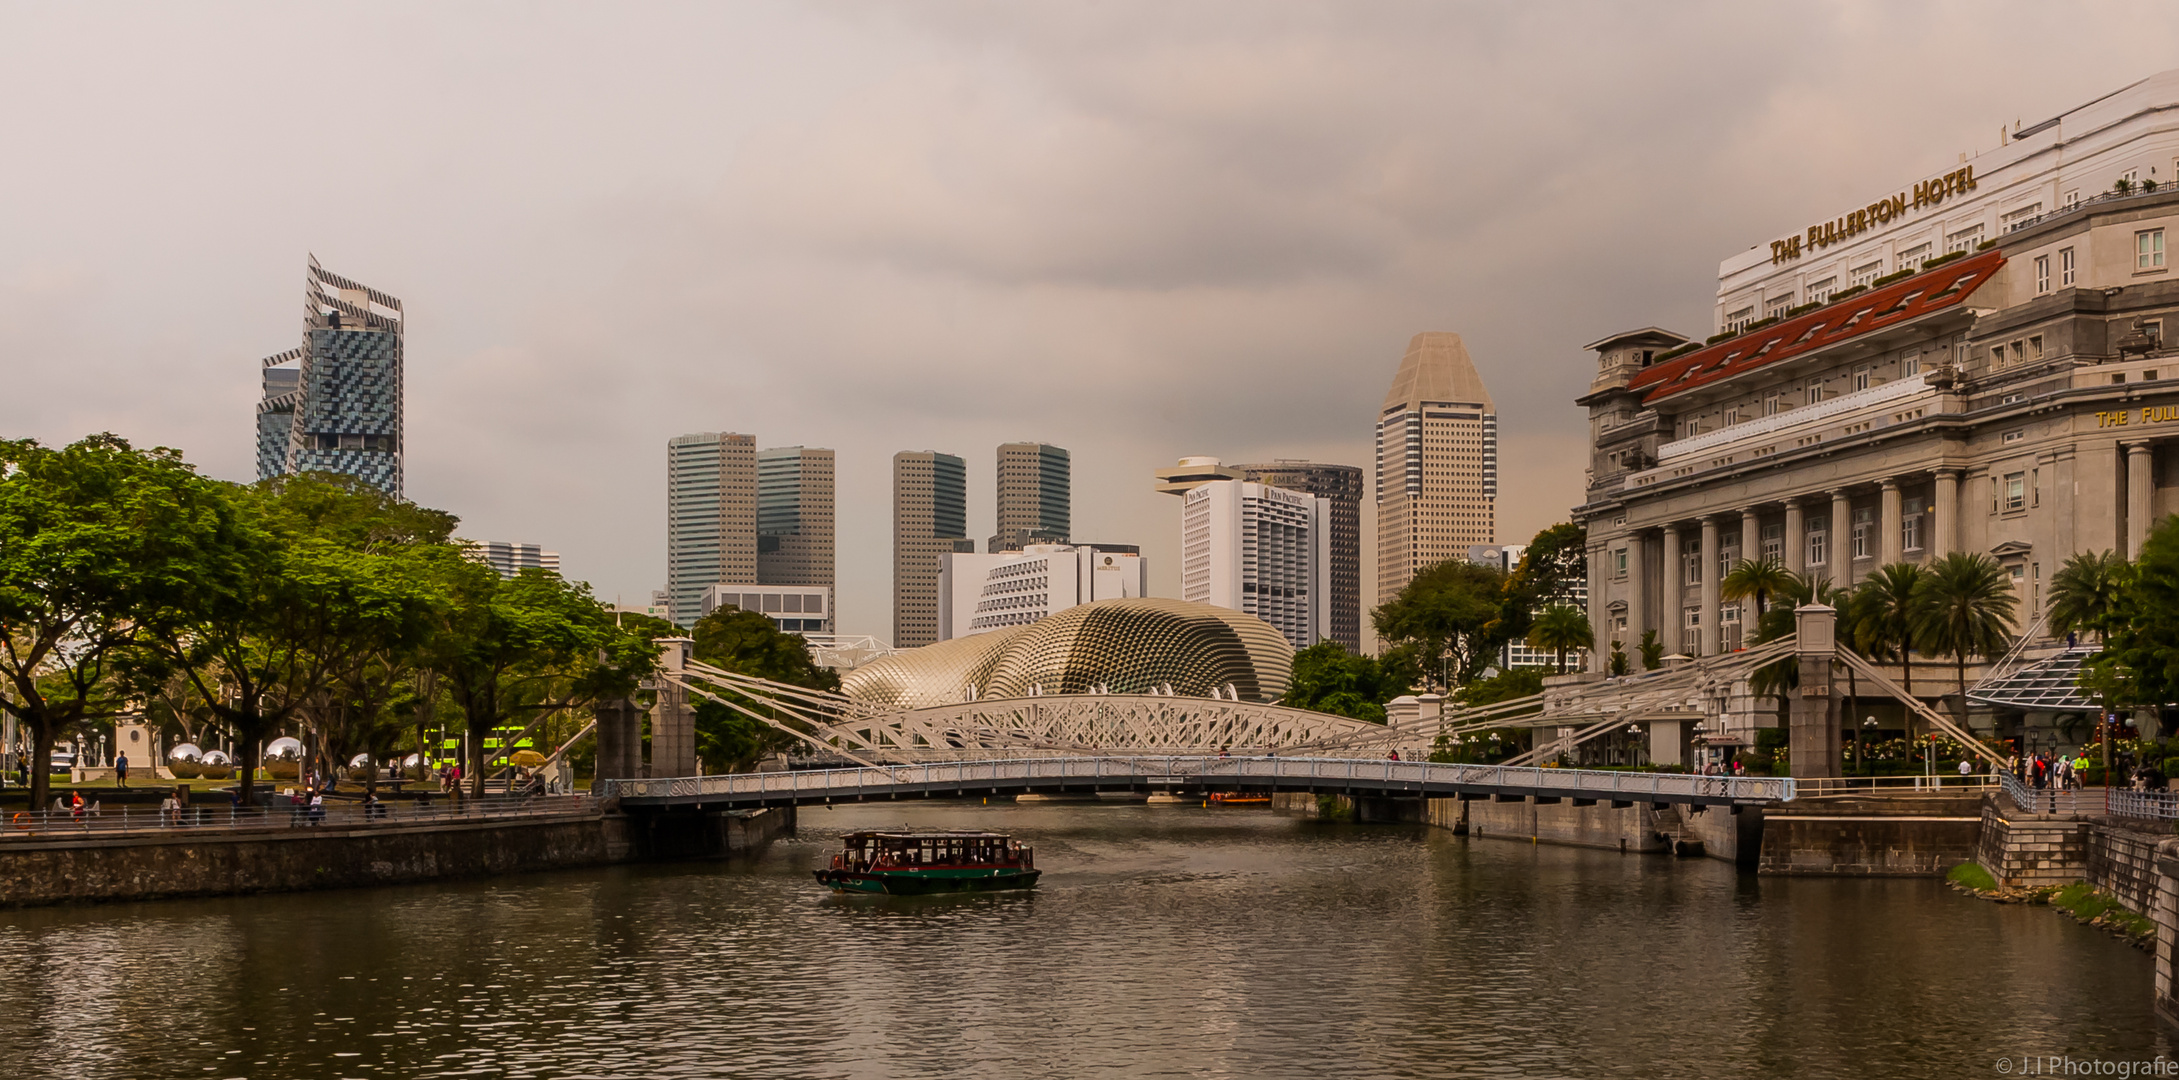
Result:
1437,462
339,409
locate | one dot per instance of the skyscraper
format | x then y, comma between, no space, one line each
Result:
1035,493
339,409
794,516
513,557
1437,462
930,518
1343,486
1260,549
711,516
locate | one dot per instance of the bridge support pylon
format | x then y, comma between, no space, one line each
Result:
1812,727
673,719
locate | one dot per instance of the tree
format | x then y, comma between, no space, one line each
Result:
1553,565
1652,649
1450,618
1963,606
1329,679
1880,623
1560,628
1780,677
510,646
2088,593
1619,664
1756,579
2139,663
89,534
748,643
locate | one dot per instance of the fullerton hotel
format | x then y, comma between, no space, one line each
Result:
1972,359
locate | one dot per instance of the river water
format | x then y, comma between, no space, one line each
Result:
1163,941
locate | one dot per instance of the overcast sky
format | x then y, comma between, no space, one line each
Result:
1139,231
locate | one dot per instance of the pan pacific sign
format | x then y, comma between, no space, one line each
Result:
1853,223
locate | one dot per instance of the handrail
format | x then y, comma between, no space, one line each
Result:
105,822
1794,417
1178,770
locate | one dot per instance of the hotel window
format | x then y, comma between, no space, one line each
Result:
1619,563
1963,240
1910,526
1732,416
1862,375
1911,259
1772,404
1821,291
1774,543
2020,352
1819,535
1862,275
2065,268
2073,198
1997,357
2016,490
2149,249
1815,392
2035,487
1691,562
1777,307
2035,347
1739,320
1910,365
2014,435
1728,553
1864,525
2042,274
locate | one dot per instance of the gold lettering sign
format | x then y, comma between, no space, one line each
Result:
1881,212
2148,414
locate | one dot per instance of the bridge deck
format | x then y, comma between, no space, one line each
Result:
1372,777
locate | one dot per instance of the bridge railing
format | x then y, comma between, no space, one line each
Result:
1156,771
110,821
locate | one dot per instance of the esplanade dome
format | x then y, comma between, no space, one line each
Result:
1131,646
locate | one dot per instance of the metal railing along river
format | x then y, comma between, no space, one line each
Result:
1893,785
1113,771
116,821
2152,805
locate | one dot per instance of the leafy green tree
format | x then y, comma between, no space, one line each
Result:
748,643
1880,621
510,646
2088,593
1560,628
1652,649
1754,579
2139,663
1963,606
1450,619
90,534
1618,664
1329,679
1553,566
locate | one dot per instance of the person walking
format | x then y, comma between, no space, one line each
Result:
121,769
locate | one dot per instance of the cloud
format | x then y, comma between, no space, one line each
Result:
1137,230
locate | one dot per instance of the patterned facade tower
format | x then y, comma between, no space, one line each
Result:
342,401
794,516
1344,486
711,517
930,519
1437,462
1035,506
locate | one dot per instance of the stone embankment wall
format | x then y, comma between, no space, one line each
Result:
1871,836
1599,825
145,867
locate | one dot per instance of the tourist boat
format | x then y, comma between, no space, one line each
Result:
913,863
1240,798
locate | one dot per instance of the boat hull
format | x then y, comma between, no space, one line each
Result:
924,882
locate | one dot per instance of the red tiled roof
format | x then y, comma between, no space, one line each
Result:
1930,290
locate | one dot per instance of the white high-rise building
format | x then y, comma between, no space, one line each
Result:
1260,549
981,593
511,558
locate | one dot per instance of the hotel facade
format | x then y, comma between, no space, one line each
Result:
1972,360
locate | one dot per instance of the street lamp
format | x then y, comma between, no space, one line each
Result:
1867,722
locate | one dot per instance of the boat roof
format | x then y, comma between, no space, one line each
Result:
933,834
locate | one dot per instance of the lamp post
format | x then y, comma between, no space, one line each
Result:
1867,723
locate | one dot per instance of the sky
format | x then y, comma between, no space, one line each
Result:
1140,231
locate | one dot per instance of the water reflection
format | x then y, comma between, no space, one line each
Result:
1163,941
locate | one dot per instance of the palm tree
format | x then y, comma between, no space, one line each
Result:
1882,620
1963,606
1754,578
2086,592
1782,676
1560,628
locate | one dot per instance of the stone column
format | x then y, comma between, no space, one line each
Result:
1842,553
1709,601
1670,605
1751,534
1887,524
1945,507
1637,585
620,740
1813,732
2140,488
1795,549
673,720
1600,578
